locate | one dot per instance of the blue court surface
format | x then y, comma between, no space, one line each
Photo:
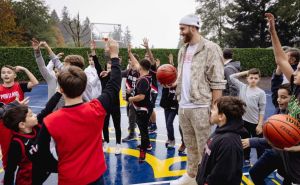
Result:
161,166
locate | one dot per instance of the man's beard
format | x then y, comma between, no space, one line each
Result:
187,38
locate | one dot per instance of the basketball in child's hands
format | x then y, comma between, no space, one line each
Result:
282,131
166,74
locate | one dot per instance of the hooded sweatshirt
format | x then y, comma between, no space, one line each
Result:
222,160
229,69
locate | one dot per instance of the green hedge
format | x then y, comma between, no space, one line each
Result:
259,58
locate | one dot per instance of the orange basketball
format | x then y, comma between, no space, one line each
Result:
166,74
282,130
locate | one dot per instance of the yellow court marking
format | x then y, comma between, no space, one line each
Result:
161,168
247,181
276,182
1,170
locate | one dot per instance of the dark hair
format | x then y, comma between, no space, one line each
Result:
75,60
295,53
9,67
73,81
232,107
254,71
90,55
13,116
227,53
145,64
287,87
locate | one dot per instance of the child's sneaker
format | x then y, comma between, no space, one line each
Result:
152,129
171,144
130,137
149,148
142,155
181,149
118,149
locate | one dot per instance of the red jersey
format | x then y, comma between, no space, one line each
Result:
77,132
7,95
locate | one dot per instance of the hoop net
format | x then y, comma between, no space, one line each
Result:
100,32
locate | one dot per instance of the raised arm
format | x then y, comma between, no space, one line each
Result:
146,45
45,72
55,59
280,57
95,59
134,62
32,79
51,104
111,91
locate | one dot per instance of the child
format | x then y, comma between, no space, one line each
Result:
25,126
93,78
9,90
290,156
222,161
142,104
77,127
255,99
170,105
270,159
131,76
115,111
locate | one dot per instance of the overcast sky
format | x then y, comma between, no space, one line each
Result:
155,19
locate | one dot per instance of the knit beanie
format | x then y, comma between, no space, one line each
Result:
190,20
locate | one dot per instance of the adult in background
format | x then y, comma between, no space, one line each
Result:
200,82
230,67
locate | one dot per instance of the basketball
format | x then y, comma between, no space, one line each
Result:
166,74
282,131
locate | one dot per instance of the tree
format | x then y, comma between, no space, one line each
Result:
76,30
213,19
58,36
10,34
33,17
65,18
126,40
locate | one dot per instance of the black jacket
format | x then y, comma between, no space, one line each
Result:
222,159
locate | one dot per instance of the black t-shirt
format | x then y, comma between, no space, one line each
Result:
168,99
143,86
24,87
131,79
152,72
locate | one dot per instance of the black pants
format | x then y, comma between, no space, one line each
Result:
131,118
265,165
116,116
142,118
169,117
251,128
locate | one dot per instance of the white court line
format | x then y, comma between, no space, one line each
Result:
164,182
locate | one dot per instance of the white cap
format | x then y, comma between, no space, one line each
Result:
191,20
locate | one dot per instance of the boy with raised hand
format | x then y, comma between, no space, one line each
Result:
255,99
290,156
222,161
25,126
77,127
154,87
9,91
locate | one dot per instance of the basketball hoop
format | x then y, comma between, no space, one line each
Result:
101,32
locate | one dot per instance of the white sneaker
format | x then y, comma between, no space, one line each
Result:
184,180
105,146
118,149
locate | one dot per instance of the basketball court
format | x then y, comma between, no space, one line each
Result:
161,165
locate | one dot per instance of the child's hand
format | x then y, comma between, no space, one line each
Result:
60,55
145,43
112,47
23,102
104,74
20,68
245,143
35,44
293,149
259,129
43,44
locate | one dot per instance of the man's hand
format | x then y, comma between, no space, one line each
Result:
35,44
245,143
145,43
113,48
271,22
